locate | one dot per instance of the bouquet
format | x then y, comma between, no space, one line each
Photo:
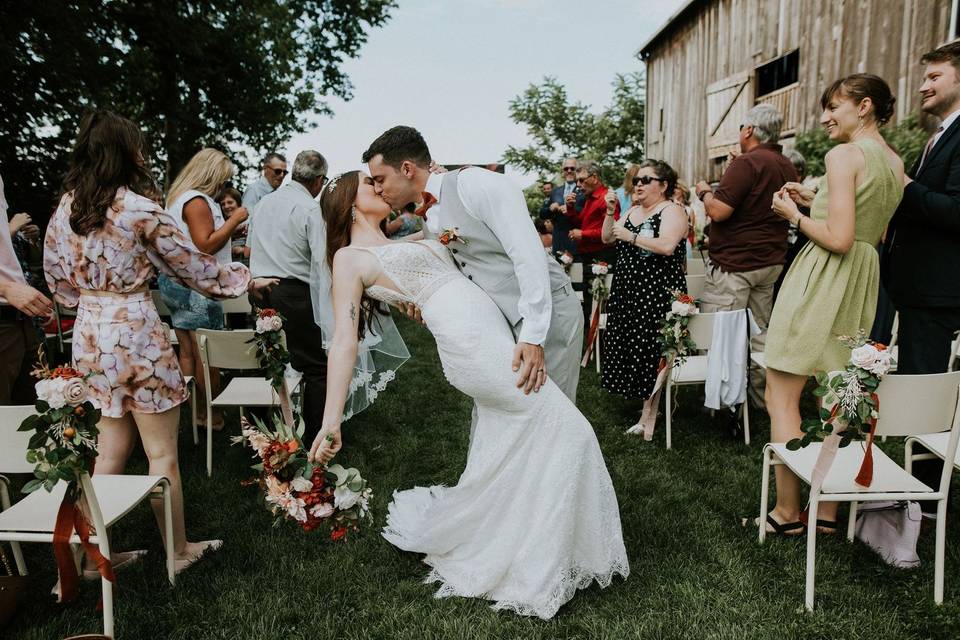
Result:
297,491
565,258
598,286
849,405
64,443
675,340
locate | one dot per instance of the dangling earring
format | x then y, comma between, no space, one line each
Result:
353,214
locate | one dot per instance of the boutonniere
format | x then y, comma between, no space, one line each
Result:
451,235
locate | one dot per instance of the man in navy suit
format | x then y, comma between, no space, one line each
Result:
922,261
556,204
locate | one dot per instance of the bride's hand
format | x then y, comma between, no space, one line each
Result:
325,445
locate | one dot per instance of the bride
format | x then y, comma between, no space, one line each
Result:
534,516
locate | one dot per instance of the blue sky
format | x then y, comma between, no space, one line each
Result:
450,67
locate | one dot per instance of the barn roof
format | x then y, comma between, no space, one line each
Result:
685,10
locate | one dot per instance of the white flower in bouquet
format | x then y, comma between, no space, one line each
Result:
269,323
322,510
881,366
600,269
275,488
864,356
364,502
566,258
51,392
299,483
683,308
74,391
344,498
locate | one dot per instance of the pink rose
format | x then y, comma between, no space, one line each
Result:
74,391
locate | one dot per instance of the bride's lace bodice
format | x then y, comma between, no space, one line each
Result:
418,269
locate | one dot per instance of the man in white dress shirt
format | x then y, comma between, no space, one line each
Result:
282,240
501,252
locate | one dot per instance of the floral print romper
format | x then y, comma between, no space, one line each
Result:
119,340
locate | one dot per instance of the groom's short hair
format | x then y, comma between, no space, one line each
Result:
398,144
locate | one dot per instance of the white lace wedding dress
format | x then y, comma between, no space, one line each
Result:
534,516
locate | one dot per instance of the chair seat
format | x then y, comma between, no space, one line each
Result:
758,359
693,371
247,392
117,495
888,476
936,443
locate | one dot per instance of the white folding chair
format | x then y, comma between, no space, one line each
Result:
232,350
237,306
576,277
954,353
602,322
695,285
108,498
191,383
694,370
900,415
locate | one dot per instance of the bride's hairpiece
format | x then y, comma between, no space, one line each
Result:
333,183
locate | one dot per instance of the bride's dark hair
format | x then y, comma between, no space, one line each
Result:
336,203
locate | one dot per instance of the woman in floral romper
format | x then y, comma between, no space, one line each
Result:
103,245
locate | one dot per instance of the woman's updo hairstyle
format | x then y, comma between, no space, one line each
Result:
663,171
857,87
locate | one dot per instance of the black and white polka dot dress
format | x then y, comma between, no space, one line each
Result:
639,300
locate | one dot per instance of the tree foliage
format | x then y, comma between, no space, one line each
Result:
907,138
558,128
232,74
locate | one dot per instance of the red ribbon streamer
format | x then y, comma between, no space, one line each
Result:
591,336
70,518
865,476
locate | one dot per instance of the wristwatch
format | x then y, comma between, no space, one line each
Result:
701,194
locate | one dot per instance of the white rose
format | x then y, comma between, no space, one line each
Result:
261,325
74,391
344,498
864,356
322,510
682,308
300,483
53,393
275,323
881,366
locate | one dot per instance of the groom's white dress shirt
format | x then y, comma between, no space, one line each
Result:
492,199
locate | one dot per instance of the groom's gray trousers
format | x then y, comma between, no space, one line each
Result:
562,347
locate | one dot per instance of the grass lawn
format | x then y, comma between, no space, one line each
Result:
695,572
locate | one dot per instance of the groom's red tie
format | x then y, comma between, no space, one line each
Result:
428,201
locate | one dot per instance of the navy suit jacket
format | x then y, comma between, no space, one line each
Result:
921,258
561,223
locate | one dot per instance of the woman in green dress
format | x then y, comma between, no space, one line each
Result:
831,288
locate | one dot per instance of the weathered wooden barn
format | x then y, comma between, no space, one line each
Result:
714,59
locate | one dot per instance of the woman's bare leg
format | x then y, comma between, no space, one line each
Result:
783,404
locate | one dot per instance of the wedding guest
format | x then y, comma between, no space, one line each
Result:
681,195
588,223
229,202
547,189
831,288
19,305
405,224
546,237
748,243
556,205
923,243
286,237
103,244
625,192
192,204
651,256
273,169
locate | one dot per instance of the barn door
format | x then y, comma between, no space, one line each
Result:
728,101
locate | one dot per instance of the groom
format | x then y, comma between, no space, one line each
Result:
499,250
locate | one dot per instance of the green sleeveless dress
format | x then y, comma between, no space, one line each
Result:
825,294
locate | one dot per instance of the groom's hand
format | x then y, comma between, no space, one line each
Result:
528,360
412,311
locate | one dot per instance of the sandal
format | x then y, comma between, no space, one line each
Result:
207,546
119,560
827,527
775,528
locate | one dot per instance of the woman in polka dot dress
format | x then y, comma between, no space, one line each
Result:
651,250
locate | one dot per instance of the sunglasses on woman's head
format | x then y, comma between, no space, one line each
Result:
645,180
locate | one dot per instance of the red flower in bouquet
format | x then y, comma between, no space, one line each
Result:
338,533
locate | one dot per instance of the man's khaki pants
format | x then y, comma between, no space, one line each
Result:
730,291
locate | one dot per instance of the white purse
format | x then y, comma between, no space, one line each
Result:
892,530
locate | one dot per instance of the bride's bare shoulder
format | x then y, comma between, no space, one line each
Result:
351,259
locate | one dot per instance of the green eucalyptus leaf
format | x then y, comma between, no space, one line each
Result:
795,444
32,486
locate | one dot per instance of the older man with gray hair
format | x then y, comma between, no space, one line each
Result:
282,239
748,242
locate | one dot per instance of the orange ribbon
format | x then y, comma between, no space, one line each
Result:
70,518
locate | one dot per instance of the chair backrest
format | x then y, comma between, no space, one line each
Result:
162,308
696,267
954,354
701,327
919,404
695,285
576,272
228,349
13,443
236,305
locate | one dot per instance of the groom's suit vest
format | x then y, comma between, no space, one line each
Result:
483,259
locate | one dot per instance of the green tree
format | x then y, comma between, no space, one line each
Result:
907,138
232,74
558,128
